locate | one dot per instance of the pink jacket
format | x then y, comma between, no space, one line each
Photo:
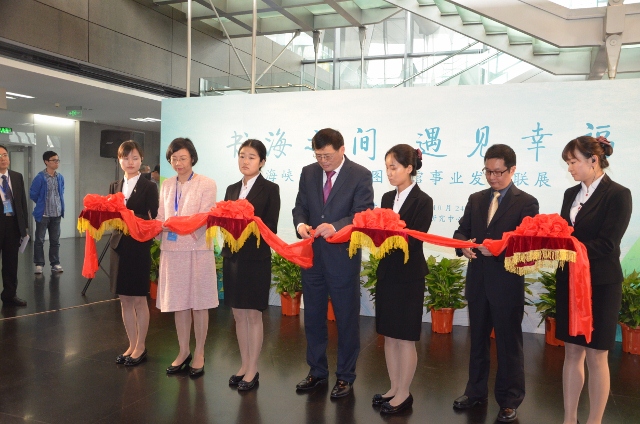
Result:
198,195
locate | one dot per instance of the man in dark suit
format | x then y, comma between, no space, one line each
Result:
331,192
495,296
13,226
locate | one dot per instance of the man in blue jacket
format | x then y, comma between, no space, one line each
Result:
47,191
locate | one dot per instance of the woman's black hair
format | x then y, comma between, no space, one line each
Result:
589,146
182,143
257,145
127,147
406,155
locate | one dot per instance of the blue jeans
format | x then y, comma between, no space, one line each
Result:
53,225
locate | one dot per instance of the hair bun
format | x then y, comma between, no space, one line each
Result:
418,159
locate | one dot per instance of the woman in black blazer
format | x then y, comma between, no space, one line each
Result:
246,274
599,211
400,289
130,259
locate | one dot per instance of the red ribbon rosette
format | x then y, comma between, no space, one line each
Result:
546,241
102,213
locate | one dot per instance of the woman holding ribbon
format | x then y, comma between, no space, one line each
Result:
130,260
187,275
400,290
247,273
599,211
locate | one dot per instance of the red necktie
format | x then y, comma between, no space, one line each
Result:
327,186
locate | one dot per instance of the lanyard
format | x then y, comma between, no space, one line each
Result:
177,198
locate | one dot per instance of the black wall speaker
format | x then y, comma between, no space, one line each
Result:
110,141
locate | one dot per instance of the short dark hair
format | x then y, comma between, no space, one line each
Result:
156,168
182,143
325,137
4,147
257,145
588,146
501,151
48,155
406,155
127,147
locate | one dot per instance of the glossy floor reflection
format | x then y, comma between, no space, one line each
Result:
59,367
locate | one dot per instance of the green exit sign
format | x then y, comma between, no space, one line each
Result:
75,113
6,130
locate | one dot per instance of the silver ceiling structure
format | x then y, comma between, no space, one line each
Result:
559,40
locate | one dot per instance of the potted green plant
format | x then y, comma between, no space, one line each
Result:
546,307
630,313
217,250
287,280
369,276
155,267
443,292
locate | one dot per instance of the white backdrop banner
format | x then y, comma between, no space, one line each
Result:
453,126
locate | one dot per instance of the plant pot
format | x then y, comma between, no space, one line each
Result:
330,315
630,339
153,289
550,332
442,320
290,306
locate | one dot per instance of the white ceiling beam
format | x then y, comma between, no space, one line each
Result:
348,15
304,21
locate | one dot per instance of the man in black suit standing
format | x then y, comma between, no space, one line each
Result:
331,191
495,296
13,226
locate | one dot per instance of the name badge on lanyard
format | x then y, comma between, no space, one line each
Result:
171,236
8,207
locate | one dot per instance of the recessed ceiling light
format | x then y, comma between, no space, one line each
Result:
145,119
24,96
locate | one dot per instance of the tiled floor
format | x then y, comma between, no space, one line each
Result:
58,367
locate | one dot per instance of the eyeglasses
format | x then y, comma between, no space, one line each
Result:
182,159
494,173
4,155
54,160
324,157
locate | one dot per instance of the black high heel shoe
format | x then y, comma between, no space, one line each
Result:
378,399
175,369
388,409
197,372
121,359
244,386
132,362
235,379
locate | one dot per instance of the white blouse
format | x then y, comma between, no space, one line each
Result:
582,197
398,201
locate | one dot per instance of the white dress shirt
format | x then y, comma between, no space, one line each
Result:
246,188
128,186
401,197
582,197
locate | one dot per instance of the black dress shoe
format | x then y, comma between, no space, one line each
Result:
243,385
463,402
132,362
507,415
388,409
197,372
378,399
235,379
310,382
341,389
175,369
121,359
14,301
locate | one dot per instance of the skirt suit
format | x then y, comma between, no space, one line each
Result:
400,290
246,274
599,224
130,260
187,275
